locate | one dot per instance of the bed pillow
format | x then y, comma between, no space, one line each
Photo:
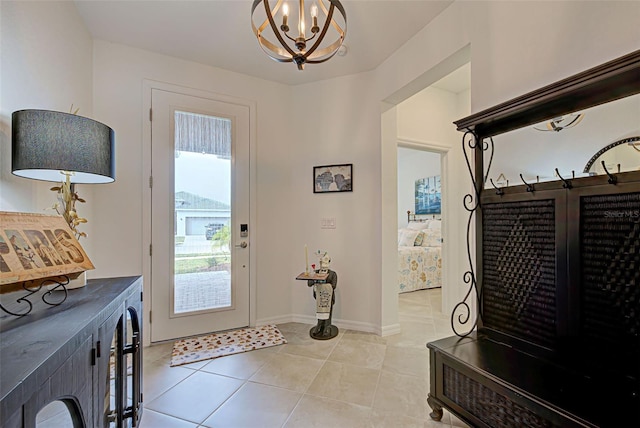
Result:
431,238
408,237
419,239
435,224
418,225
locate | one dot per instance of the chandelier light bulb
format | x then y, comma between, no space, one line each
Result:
285,18
314,18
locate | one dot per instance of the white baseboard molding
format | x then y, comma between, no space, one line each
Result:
311,320
390,330
282,319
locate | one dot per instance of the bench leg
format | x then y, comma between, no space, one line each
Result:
437,413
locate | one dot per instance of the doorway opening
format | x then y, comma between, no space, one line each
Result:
422,206
423,123
200,156
420,210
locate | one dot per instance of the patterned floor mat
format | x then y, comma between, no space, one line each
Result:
186,351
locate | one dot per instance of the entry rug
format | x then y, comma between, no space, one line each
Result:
186,351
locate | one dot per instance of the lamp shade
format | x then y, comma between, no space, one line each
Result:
45,143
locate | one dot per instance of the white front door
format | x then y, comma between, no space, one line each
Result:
199,215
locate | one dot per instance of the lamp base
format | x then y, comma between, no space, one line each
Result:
79,282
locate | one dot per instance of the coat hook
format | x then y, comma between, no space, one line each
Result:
529,186
499,191
612,178
565,183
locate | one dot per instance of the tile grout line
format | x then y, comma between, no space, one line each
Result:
310,383
303,331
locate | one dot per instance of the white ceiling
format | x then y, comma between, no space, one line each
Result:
218,33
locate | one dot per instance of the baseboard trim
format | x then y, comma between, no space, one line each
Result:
308,319
274,320
390,330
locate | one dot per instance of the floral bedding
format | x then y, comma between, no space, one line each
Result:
419,268
420,256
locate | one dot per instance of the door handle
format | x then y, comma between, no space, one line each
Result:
243,244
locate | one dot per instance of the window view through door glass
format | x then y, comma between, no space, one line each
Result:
202,219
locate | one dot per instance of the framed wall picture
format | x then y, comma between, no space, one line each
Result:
333,178
428,195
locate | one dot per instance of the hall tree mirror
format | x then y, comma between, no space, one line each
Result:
575,143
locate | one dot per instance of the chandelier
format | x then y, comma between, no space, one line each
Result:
294,48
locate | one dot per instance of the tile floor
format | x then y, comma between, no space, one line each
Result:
354,380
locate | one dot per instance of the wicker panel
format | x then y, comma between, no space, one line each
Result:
519,276
492,408
610,254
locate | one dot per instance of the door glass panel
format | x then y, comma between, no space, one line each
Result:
128,361
111,381
132,365
202,216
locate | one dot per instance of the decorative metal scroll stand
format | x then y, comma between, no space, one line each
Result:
471,202
51,299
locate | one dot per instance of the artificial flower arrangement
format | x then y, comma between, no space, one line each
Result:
325,260
66,206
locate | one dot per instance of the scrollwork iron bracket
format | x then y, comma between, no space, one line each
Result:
461,314
48,297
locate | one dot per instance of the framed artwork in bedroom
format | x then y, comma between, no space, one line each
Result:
333,178
428,195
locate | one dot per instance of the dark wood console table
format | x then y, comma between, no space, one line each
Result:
82,353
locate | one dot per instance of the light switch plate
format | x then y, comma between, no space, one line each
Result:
328,223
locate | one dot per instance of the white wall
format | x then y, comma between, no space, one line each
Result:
413,165
515,47
337,122
427,118
45,63
119,72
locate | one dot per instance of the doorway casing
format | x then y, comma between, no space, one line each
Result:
457,183
147,87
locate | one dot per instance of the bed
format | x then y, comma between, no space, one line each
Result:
419,256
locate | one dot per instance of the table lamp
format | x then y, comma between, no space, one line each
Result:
62,147
55,146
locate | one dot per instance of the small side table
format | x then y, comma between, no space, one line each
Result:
323,330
